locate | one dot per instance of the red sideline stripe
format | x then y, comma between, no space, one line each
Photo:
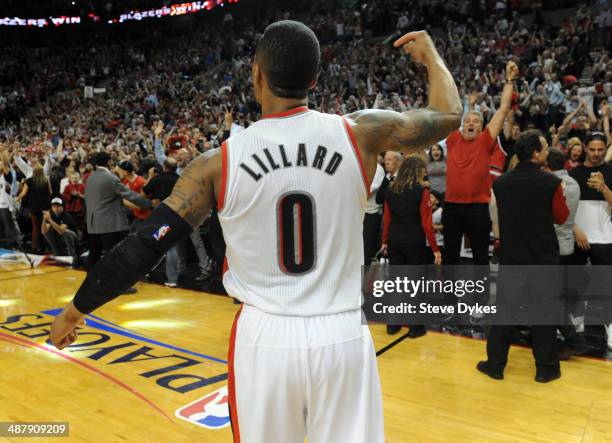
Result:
231,381
221,201
29,344
288,113
351,137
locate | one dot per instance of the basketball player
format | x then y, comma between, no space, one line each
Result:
291,192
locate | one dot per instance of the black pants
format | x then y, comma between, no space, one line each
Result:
371,229
11,229
472,219
544,348
102,243
408,253
574,306
599,254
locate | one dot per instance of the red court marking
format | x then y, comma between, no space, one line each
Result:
231,381
29,344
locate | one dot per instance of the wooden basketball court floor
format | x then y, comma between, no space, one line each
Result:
143,358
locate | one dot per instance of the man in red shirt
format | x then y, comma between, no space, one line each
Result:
135,183
468,188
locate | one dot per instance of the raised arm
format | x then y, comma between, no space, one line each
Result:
568,120
509,122
22,165
185,209
497,122
381,130
158,147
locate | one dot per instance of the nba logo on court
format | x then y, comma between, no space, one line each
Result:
210,411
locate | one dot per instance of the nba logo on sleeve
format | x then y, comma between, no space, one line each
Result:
161,232
210,411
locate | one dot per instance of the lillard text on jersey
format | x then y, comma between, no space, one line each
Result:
269,160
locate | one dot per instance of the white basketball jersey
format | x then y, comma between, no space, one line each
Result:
291,207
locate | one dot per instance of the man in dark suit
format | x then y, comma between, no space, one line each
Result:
529,202
107,223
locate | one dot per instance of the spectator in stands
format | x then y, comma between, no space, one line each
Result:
466,208
573,343
74,200
593,228
527,241
575,154
135,182
7,223
60,231
371,220
107,223
584,118
408,225
436,169
393,160
37,189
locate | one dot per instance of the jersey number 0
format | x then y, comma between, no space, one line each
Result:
296,233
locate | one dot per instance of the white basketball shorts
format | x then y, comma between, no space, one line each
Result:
296,377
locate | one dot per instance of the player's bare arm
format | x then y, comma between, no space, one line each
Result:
194,193
380,130
412,131
184,210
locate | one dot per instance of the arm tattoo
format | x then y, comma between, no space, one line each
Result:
411,130
192,197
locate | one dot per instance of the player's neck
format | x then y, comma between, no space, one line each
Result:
276,105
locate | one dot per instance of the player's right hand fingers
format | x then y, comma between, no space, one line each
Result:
411,36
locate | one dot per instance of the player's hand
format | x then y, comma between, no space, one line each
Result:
419,45
437,258
512,70
383,250
64,330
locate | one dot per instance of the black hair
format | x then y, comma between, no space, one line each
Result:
439,196
127,166
556,160
600,136
527,143
441,153
102,159
288,53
